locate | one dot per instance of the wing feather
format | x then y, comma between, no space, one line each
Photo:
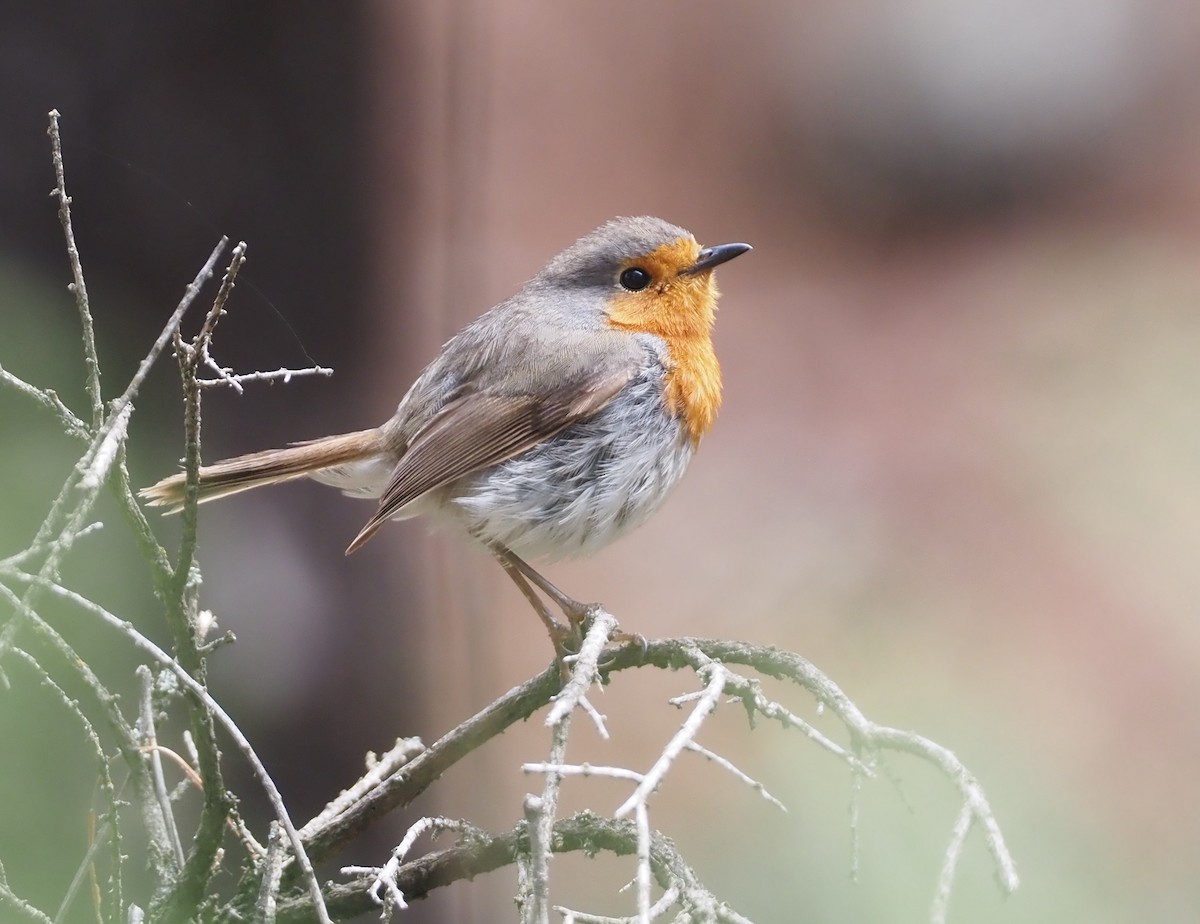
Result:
479,429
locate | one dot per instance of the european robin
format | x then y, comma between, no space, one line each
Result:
548,427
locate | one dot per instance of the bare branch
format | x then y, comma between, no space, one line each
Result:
975,801
594,714
268,894
728,765
48,399
659,908
584,669
96,473
172,325
584,770
109,827
9,899
164,832
378,769
411,780
126,738
384,878
218,713
189,355
228,378
482,853
78,287
182,612
941,897
533,893
68,514
687,733
641,820
522,701
867,736
539,814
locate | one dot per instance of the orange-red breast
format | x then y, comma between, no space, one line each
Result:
552,424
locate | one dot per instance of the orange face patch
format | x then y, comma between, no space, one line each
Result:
680,310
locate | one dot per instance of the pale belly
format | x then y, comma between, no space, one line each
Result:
577,492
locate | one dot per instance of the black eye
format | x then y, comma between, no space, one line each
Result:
635,279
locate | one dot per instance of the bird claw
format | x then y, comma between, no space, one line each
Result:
620,640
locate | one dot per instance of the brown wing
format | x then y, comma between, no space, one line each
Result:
484,428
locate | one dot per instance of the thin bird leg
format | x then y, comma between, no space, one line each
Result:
575,611
557,631
522,573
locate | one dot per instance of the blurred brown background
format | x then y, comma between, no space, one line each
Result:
958,466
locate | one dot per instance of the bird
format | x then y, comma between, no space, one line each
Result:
554,423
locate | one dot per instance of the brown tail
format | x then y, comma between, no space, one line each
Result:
269,467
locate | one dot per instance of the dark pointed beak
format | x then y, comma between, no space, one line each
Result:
712,257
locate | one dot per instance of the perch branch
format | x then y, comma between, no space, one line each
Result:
481,853
521,702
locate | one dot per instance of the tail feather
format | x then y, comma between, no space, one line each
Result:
268,467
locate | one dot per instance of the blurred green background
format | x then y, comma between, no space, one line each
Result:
956,467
